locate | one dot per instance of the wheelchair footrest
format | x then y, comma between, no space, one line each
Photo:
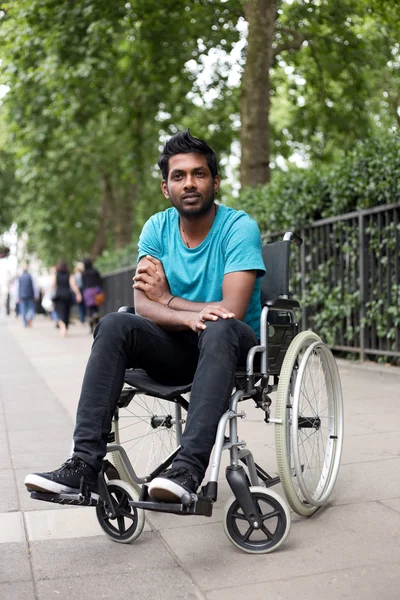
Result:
65,498
201,506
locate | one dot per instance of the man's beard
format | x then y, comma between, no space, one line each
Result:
193,213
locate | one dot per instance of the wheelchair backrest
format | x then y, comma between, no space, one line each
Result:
275,282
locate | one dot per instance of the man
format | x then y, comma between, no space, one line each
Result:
197,303
27,296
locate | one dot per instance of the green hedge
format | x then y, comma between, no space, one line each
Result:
366,177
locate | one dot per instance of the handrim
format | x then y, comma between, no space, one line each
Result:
290,381
332,448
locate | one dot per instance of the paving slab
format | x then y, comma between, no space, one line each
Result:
11,527
160,585
371,447
334,539
362,582
38,420
14,563
17,591
373,480
8,496
393,503
78,557
71,522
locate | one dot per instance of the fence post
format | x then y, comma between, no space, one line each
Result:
361,231
303,282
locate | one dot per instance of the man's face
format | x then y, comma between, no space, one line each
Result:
190,186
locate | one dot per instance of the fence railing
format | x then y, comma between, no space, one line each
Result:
118,289
347,279
346,276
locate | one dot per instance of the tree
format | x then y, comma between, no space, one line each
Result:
88,82
330,77
255,98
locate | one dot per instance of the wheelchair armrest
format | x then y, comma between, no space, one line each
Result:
282,303
128,309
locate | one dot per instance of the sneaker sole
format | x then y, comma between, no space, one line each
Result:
35,483
165,490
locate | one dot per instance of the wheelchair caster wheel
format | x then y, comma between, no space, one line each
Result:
274,526
129,522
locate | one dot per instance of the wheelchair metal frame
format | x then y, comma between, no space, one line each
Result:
238,480
244,483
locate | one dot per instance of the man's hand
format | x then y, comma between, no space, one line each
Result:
212,312
150,279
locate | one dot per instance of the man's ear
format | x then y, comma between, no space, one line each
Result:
217,183
164,188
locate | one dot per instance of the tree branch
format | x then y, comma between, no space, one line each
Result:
293,44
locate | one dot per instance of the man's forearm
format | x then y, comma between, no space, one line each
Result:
180,304
163,316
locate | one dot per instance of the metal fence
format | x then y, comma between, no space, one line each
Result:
346,276
118,289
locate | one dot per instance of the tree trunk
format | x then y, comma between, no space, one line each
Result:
255,101
123,210
106,204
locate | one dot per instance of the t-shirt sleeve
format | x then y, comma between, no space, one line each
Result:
150,240
244,247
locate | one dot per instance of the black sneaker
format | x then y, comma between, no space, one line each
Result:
65,479
171,485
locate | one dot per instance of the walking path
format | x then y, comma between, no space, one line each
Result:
350,550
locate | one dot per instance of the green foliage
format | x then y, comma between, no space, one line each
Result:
93,86
111,261
96,86
367,176
335,78
7,188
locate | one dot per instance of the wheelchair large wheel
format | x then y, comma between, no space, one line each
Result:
310,435
129,522
149,430
274,528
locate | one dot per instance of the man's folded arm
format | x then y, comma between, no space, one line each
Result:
237,289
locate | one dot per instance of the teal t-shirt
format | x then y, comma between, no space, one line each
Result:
196,274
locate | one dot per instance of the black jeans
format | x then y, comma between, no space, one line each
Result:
209,359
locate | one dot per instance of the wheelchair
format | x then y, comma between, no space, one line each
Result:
150,417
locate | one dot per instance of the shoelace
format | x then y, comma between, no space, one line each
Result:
71,464
181,472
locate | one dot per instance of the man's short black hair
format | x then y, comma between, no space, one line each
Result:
183,143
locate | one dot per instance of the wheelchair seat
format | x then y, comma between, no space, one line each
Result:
139,379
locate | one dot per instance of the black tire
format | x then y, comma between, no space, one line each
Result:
266,539
129,523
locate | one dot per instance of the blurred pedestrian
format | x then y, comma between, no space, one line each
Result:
14,300
92,287
64,288
27,296
48,293
79,268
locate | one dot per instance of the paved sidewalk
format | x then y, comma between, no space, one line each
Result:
350,550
